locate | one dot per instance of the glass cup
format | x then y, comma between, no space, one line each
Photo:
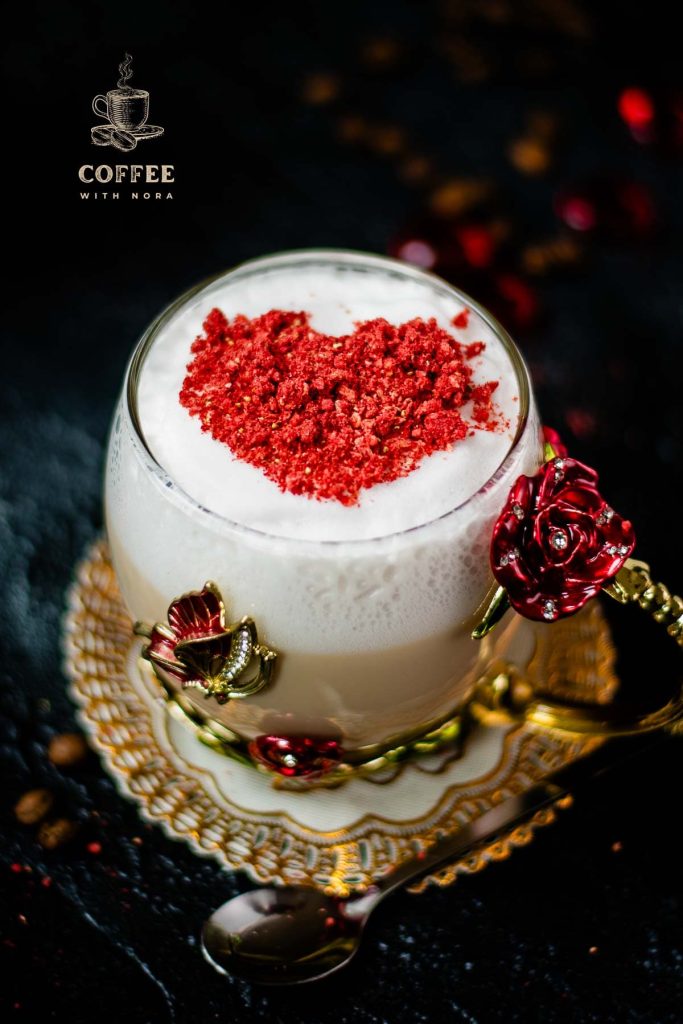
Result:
373,636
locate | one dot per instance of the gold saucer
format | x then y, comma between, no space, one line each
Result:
330,838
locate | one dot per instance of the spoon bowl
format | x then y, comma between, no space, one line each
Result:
282,935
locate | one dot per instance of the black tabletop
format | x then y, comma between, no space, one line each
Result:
535,150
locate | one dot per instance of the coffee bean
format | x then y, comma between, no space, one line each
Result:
53,834
123,140
67,749
100,134
33,806
108,135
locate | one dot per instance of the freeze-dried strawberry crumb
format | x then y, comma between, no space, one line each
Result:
328,416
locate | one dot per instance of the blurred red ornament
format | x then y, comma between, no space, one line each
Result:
581,422
448,246
478,245
514,301
653,117
296,756
430,243
608,206
577,212
466,254
636,108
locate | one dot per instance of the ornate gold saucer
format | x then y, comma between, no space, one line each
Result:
331,838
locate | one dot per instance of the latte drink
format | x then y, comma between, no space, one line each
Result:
369,602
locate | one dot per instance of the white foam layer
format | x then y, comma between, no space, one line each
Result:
337,298
354,595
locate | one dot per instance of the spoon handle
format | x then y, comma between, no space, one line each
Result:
501,817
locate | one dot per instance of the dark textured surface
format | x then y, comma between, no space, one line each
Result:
573,927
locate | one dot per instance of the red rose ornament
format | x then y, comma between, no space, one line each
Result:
296,756
557,542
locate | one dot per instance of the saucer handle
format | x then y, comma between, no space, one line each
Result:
100,113
506,697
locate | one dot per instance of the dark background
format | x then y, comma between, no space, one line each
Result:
583,925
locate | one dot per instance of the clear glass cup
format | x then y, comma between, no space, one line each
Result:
373,635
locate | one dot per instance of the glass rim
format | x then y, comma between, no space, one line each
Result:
323,254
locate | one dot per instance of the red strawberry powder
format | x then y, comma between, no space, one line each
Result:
328,416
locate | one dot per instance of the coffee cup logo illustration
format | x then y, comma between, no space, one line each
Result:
125,110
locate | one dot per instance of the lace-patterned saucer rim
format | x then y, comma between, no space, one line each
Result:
273,847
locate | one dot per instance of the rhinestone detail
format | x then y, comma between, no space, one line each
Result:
559,540
508,556
558,465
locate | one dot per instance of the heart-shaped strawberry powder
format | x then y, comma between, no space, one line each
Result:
329,416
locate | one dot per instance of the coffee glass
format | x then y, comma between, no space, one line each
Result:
127,109
373,635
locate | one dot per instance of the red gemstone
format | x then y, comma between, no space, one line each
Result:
611,207
296,756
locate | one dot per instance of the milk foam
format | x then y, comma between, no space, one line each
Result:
307,594
337,299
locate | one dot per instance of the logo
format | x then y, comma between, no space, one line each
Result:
126,111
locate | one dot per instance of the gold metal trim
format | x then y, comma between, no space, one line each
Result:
634,585
371,762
